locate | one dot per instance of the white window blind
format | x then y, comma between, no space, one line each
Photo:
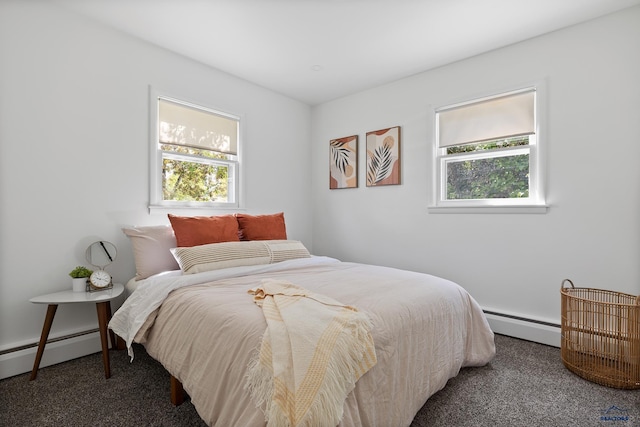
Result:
183,125
501,117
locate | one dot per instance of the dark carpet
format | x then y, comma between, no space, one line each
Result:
525,385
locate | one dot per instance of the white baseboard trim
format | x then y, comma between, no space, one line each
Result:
530,330
21,361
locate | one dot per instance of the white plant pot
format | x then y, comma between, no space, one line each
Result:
79,284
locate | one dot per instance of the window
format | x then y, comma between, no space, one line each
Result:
194,155
487,153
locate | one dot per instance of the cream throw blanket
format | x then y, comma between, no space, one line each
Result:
313,351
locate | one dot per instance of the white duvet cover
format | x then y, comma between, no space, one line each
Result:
205,329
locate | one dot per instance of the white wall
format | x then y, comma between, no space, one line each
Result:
74,166
74,157
512,263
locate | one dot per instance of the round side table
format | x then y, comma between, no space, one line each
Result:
102,299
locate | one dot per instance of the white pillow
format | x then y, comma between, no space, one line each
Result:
215,256
152,249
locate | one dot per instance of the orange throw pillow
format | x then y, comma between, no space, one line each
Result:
202,230
262,227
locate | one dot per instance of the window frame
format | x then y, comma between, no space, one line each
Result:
156,201
535,203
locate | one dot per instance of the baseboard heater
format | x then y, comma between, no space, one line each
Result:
525,328
49,341
91,331
522,319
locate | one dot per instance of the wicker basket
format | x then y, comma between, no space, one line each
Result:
601,335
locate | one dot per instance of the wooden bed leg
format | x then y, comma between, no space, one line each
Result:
120,343
177,392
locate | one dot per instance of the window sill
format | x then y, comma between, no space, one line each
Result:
523,209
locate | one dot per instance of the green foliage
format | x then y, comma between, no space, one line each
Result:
502,177
489,145
80,272
191,181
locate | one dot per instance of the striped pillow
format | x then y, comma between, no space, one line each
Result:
215,256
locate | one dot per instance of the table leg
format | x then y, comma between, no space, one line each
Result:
48,320
112,334
102,308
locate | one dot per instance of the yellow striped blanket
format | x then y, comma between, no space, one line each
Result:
312,353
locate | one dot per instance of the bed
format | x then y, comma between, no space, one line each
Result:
203,326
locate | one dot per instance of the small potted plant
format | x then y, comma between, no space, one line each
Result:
79,277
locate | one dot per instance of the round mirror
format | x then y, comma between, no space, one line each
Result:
101,253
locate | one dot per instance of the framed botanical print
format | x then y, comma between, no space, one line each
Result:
343,162
383,157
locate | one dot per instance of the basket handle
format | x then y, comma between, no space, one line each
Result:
570,282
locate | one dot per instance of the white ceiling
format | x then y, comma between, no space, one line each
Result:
319,50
